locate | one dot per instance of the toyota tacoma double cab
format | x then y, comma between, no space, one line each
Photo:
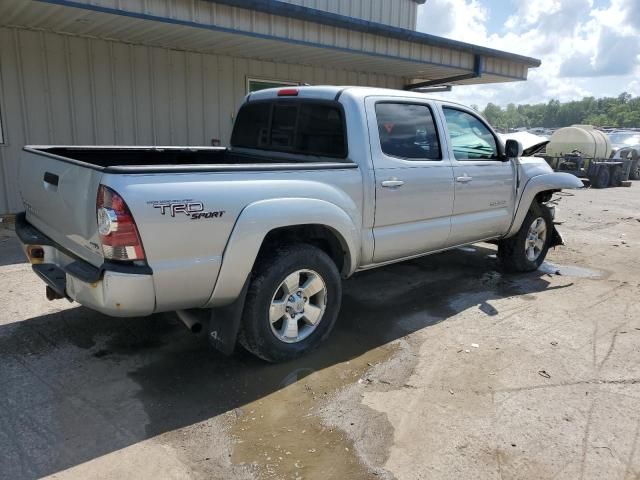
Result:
254,240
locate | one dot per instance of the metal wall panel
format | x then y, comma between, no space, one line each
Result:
62,89
399,13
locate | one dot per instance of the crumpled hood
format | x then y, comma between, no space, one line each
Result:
532,144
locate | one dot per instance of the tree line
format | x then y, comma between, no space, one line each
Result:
621,111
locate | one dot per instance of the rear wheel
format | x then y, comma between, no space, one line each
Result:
292,302
525,251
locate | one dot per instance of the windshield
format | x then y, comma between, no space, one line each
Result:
625,138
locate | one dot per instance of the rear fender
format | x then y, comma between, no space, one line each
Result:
258,219
540,183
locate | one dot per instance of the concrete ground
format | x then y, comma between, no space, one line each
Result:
442,367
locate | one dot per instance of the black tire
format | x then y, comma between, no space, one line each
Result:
269,273
634,173
632,154
512,251
617,176
603,178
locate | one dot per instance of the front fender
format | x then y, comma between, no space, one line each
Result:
535,185
258,219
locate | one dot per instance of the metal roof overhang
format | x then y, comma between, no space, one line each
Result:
300,12
78,18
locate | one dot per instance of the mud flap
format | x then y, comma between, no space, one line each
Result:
224,323
556,238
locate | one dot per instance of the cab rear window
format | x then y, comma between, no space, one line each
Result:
293,126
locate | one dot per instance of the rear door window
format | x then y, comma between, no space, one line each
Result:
407,131
301,127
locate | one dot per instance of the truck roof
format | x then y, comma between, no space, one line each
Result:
333,92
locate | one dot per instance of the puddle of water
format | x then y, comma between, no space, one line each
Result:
281,435
569,270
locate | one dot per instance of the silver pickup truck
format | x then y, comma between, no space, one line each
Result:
254,239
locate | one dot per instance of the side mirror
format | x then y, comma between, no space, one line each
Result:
513,149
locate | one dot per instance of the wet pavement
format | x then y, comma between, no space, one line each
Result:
78,385
86,394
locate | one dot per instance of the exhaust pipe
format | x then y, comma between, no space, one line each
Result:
192,319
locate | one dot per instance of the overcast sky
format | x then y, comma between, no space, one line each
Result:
587,47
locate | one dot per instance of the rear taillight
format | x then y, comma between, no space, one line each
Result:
117,229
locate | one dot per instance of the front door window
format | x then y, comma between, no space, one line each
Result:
470,138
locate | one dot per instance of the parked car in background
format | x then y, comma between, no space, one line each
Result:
318,183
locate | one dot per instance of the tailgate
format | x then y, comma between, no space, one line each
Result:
59,197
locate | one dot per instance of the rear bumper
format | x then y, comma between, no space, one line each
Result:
112,289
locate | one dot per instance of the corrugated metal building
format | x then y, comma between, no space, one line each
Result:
172,72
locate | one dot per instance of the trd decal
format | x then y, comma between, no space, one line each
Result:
190,208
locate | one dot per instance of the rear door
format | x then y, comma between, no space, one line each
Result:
484,179
414,178
59,197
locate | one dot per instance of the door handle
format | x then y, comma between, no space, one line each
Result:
464,179
392,183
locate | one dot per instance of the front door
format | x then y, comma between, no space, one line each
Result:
484,179
414,178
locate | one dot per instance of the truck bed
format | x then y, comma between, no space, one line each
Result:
157,159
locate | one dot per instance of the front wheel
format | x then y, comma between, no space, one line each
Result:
292,302
526,250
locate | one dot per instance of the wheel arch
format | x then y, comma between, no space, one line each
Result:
322,236
540,188
267,222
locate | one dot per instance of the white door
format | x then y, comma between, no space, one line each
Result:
414,178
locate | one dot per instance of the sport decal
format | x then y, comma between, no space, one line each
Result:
193,209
